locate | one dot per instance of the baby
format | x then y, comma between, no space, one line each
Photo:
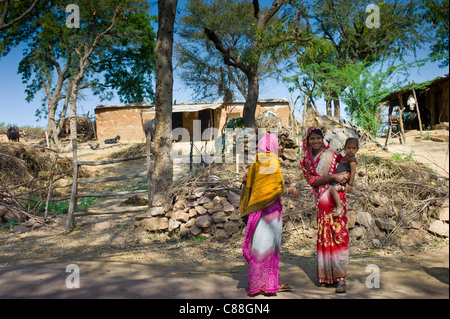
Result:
347,164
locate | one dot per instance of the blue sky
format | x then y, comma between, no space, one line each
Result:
14,109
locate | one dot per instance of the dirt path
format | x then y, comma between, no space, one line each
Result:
431,153
118,263
208,270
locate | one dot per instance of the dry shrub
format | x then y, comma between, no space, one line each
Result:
85,129
131,151
20,163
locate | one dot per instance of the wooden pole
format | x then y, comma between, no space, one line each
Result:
400,115
304,115
73,195
389,132
149,166
418,110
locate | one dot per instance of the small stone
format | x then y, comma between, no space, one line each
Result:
173,224
357,232
199,192
231,227
192,212
385,223
195,230
221,234
21,229
190,223
204,200
351,217
156,223
209,205
30,222
181,216
376,243
364,219
180,205
203,221
157,211
443,214
415,224
438,227
219,217
228,208
36,226
184,231
233,197
142,216
201,210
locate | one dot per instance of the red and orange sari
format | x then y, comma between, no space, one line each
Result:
332,233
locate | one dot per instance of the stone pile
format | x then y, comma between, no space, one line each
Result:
336,132
203,212
382,219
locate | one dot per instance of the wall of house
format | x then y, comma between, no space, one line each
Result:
124,121
437,102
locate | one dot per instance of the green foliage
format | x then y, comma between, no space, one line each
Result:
399,158
436,13
59,208
10,224
202,66
343,53
122,62
234,123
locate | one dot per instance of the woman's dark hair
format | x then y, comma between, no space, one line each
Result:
352,140
316,131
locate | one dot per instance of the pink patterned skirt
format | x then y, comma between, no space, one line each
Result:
332,240
261,248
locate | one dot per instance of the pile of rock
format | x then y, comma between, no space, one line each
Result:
289,156
440,224
336,132
381,220
17,220
203,212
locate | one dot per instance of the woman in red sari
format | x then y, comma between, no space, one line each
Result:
319,164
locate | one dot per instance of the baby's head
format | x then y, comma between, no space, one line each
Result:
351,146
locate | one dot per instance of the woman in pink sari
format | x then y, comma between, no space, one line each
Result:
261,202
319,166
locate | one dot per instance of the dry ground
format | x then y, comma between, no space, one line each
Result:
124,262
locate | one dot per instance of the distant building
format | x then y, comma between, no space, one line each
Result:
127,120
433,102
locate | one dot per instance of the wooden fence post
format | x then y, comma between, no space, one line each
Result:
148,146
418,110
73,195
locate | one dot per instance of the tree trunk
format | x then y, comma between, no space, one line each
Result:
252,98
328,106
337,105
163,169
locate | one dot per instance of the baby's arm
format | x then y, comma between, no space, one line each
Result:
349,188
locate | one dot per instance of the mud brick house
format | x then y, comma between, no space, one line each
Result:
127,120
433,101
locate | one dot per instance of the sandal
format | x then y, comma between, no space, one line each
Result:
341,287
284,287
256,294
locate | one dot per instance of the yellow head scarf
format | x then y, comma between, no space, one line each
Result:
264,183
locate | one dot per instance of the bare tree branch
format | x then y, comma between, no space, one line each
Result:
4,25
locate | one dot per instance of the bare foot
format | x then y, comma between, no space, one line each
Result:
338,210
